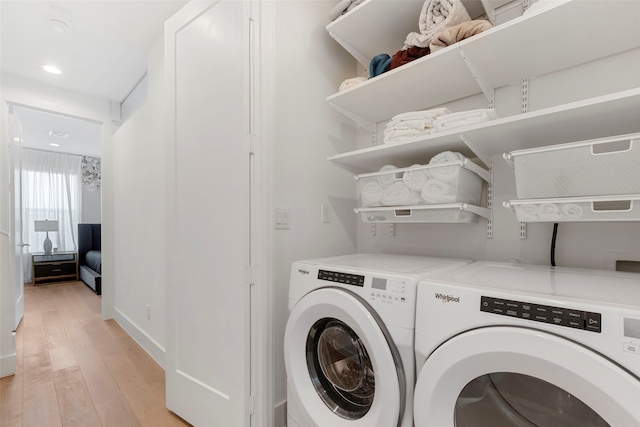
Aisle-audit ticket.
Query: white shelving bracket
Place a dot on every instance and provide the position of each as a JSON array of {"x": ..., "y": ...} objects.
[
  {"x": 483, "y": 212},
  {"x": 353, "y": 51},
  {"x": 367, "y": 124},
  {"x": 525, "y": 96},
  {"x": 485, "y": 158},
  {"x": 523, "y": 230},
  {"x": 486, "y": 88},
  {"x": 507, "y": 158},
  {"x": 490, "y": 203},
  {"x": 392, "y": 229}
]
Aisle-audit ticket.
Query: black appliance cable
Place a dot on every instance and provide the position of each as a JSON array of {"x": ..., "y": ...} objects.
[{"x": 553, "y": 244}]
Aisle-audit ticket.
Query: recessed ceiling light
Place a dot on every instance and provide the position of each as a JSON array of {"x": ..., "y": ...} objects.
[
  {"x": 59, "y": 25},
  {"x": 53, "y": 144},
  {"x": 52, "y": 69},
  {"x": 58, "y": 134}
]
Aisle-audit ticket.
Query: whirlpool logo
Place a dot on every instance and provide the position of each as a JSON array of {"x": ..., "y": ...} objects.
[
  {"x": 303, "y": 272},
  {"x": 447, "y": 298}
]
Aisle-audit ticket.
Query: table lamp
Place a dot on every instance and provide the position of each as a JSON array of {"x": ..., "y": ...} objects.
[{"x": 47, "y": 226}]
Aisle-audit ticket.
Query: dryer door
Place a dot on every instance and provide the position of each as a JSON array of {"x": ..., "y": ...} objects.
[
  {"x": 342, "y": 365},
  {"x": 509, "y": 376}
]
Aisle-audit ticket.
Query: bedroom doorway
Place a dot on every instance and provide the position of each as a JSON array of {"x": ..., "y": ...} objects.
[{"x": 59, "y": 172}]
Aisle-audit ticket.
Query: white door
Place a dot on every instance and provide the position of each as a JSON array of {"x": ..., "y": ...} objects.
[
  {"x": 208, "y": 214},
  {"x": 17, "y": 262},
  {"x": 508, "y": 376}
]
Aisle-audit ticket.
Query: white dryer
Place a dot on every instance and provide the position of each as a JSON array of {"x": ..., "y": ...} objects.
[
  {"x": 509, "y": 345},
  {"x": 348, "y": 343}
]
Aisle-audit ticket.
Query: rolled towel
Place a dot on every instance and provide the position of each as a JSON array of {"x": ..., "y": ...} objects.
[
  {"x": 386, "y": 179},
  {"x": 549, "y": 212},
  {"x": 379, "y": 64},
  {"x": 435, "y": 16},
  {"x": 398, "y": 194},
  {"x": 436, "y": 191},
  {"x": 415, "y": 179},
  {"x": 464, "y": 118},
  {"x": 371, "y": 193},
  {"x": 457, "y": 33},
  {"x": 353, "y": 82},
  {"x": 445, "y": 172},
  {"x": 527, "y": 212},
  {"x": 571, "y": 211}
]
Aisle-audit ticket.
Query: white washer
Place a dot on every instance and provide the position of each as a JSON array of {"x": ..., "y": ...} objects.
[
  {"x": 509, "y": 345},
  {"x": 348, "y": 343}
]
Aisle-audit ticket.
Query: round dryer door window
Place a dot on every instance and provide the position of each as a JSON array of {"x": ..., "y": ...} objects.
[
  {"x": 507, "y": 399},
  {"x": 343, "y": 369},
  {"x": 518, "y": 377}
]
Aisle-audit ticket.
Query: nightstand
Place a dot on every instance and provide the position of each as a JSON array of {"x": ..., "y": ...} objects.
[{"x": 55, "y": 266}]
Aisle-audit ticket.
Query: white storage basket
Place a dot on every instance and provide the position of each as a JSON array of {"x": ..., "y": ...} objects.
[
  {"x": 600, "y": 167},
  {"x": 455, "y": 182},
  {"x": 596, "y": 209}
]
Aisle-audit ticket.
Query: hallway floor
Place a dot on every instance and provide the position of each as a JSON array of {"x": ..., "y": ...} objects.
[{"x": 75, "y": 369}]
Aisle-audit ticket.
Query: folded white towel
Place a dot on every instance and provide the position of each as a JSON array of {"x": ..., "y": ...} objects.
[
  {"x": 415, "y": 179},
  {"x": 349, "y": 83},
  {"x": 398, "y": 194},
  {"x": 386, "y": 179},
  {"x": 371, "y": 193},
  {"x": 464, "y": 118},
  {"x": 435, "y": 16},
  {"x": 412, "y": 124},
  {"x": 436, "y": 191},
  {"x": 342, "y": 7}
]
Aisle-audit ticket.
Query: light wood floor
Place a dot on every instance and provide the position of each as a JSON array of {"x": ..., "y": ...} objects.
[{"x": 75, "y": 369}]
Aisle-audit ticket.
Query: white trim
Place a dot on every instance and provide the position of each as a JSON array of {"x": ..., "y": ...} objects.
[
  {"x": 8, "y": 365},
  {"x": 154, "y": 349}
]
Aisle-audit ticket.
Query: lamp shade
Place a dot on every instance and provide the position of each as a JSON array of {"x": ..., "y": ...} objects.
[{"x": 45, "y": 225}]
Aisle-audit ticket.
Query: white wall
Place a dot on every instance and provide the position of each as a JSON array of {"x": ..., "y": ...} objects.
[
  {"x": 139, "y": 224},
  {"x": 19, "y": 91},
  {"x": 309, "y": 66},
  {"x": 91, "y": 206}
]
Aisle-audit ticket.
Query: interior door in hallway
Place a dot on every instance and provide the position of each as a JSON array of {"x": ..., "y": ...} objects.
[
  {"x": 208, "y": 214},
  {"x": 17, "y": 261}
]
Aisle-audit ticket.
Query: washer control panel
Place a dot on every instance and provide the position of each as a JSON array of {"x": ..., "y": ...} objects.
[
  {"x": 561, "y": 316},
  {"x": 344, "y": 278}
]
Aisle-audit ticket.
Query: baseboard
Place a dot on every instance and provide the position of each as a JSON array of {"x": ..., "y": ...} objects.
[
  {"x": 8, "y": 365},
  {"x": 154, "y": 349},
  {"x": 280, "y": 414}
]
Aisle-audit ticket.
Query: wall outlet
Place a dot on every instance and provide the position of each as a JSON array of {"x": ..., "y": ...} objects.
[
  {"x": 326, "y": 213},
  {"x": 148, "y": 312}
]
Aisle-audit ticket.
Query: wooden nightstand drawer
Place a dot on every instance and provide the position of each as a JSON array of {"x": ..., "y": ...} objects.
[{"x": 55, "y": 269}]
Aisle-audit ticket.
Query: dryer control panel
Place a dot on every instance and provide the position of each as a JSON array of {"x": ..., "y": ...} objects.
[{"x": 560, "y": 316}]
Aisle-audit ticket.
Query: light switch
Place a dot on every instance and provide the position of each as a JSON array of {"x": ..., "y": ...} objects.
[{"x": 283, "y": 218}]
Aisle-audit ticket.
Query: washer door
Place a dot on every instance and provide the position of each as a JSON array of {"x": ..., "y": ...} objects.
[
  {"x": 342, "y": 363},
  {"x": 509, "y": 376}
]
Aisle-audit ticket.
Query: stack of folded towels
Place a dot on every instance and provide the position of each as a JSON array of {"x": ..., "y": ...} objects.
[
  {"x": 417, "y": 184},
  {"x": 413, "y": 124}
]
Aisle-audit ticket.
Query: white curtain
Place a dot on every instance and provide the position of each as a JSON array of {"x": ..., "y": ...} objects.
[{"x": 51, "y": 189}]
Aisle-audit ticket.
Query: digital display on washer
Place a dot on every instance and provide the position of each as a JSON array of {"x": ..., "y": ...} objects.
[
  {"x": 345, "y": 278},
  {"x": 543, "y": 313},
  {"x": 378, "y": 283}
]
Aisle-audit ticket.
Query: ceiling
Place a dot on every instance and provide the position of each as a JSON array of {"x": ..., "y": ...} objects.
[{"x": 103, "y": 53}]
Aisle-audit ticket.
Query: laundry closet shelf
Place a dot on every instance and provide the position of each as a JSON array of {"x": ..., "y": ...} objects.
[
  {"x": 564, "y": 35},
  {"x": 578, "y": 209},
  {"x": 445, "y": 213},
  {"x": 592, "y": 118}
]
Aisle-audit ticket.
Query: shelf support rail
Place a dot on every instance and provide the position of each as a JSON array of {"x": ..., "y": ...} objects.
[
  {"x": 369, "y": 125},
  {"x": 486, "y": 88},
  {"x": 490, "y": 203}
]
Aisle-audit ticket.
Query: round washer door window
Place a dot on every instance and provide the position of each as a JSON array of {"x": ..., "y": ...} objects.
[
  {"x": 341, "y": 363},
  {"x": 340, "y": 368}
]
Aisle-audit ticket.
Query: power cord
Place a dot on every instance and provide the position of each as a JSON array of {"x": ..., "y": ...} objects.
[{"x": 553, "y": 244}]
